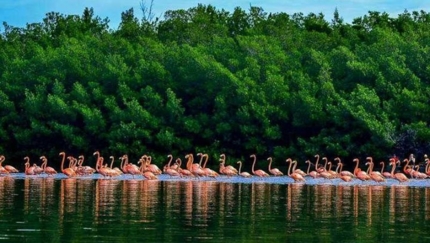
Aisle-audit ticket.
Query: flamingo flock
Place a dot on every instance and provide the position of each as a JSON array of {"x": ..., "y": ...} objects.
[{"x": 198, "y": 170}]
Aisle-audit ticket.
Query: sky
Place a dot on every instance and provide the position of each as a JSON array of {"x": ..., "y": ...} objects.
[{"x": 18, "y": 13}]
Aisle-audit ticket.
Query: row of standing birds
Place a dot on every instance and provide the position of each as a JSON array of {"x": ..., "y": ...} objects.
[
  {"x": 150, "y": 171},
  {"x": 409, "y": 171}
]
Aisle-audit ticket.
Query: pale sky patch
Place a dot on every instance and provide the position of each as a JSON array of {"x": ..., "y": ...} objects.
[{"x": 19, "y": 12}]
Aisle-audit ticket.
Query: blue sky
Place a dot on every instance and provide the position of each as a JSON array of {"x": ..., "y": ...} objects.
[{"x": 19, "y": 12}]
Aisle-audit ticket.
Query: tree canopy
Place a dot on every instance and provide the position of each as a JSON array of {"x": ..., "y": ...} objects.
[{"x": 208, "y": 80}]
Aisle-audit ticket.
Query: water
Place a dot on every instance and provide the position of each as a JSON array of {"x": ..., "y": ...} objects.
[{"x": 42, "y": 209}]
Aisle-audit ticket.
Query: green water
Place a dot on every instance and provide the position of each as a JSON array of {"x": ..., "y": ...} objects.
[{"x": 111, "y": 210}]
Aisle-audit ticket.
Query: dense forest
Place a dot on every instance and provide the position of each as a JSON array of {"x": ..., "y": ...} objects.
[{"x": 208, "y": 80}]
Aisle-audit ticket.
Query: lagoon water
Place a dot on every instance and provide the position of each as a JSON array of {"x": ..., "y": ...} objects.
[{"x": 95, "y": 209}]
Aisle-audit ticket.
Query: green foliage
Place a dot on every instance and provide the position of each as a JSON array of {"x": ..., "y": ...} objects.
[{"x": 206, "y": 80}]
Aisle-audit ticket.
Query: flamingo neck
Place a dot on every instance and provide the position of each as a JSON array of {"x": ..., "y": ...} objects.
[
  {"x": 392, "y": 169},
  {"x": 111, "y": 163},
  {"x": 62, "y": 160},
  {"x": 356, "y": 166},
  {"x": 289, "y": 167},
  {"x": 316, "y": 162},
  {"x": 253, "y": 163},
  {"x": 170, "y": 161},
  {"x": 406, "y": 166},
  {"x": 309, "y": 167},
  {"x": 206, "y": 160}
]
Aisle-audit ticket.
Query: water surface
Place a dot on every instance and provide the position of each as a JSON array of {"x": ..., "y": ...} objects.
[{"x": 95, "y": 209}]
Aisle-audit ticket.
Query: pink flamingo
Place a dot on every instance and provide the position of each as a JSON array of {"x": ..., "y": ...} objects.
[
  {"x": 2, "y": 169},
  {"x": 322, "y": 171},
  {"x": 152, "y": 167},
  {"x": 145, "y": 172},
  {"x": 208, "y": 172},
  {"x": 129, "y": 168},
  {"x": 274, "y": 171},
  {"x": 195, "y": 168},
  {"x": 116, "y": 171},
  {"x": 168, "y": 169},
  {"x": 8, "y": 168},
  {"x": 296, "y": 176},
  {"x": 183, "y": 172},
  {"x": 374, "y": 175},
  {"x": 29, "y": 170},
  {"x": 386, "y": 174},
  {"x": 47, "y": 169},
  {"x": 68, "y": 171},
  {"x": 314, "y": 174},
  {"x": 359, "y": 173},
  {"x": 343, "y": 172},
  {"x": 222, "y": 157},
  {"x": 226, "y": 171},
  {"x": 398, "y": 176},
  {"x": 84, "y": 169},
  {"x": 260, "y": 173},
  {"x": 244, "y": 173}
]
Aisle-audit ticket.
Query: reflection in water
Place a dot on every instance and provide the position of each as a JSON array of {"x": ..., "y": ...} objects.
[
  {"x": 7, "y": 195},
  {"x": 176, "y": 211},
  {"x": 105, "y": 200}
]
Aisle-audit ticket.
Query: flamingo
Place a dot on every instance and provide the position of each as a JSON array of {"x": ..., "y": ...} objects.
[
  {"x": 152, "y": 167},
  {"x": 145, "y": 172},
  {"x": 2, "y": 169},
  {"x": 347, "y": 177},
  {"x": 168, "y": 166},
  {"x": 385, "y": 174},
  {"x": 309, "y": 166},
  {"x": 103, "y": 169},
  {"x": 326, "y": 175},
  {"x": 208, "y": 172},
  {"x": 116, "y": 171},
  {"x": 427, "y": 161},
  {"x": 344, "y": 177},
  {"x": 324, "y": 167},
  {"x": 296, "y": 176},
  {"x": 398, "y": 176},
  {"x": 29, "y": 170},
  {"x": 274, "y": 171},
  {"x": 374, "y": 175},
  {"x": 195, "y": 168},
  {"x": 191, "y": 166},
  {"x": 201, "y": 159},
  {"x": 8, "y": 168},
  {"x": 68, "y": 171},
  {"x": 183, "y": 172},
  {"x": 47, "y": 169},
  {"x": 222, "y": 157},
  {"x": 226, "y": 171},
  {"x": 419, "y": 175},
  {"x": 260, "y": 173},
  {"x": 37, "y": 169},
  {"x": 84, "y": 169},
  {"x": 301, "y": 172},
  {"x": 333, "y": 173},
  {"x": 343, "y": 172},
  {"x": 168, "y": 170},
  {"x": 406, "y": 169},
  {"x": 314, "y": 173},
  {"x": 129, "y": 168},
  {"x": 359, "y": 173},
  {"x": 244, "y": 173}
]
